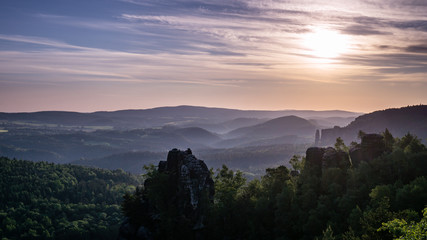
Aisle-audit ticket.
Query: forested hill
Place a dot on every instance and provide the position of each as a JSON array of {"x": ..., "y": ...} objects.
[
  {"x": 288, "y": 125},
  {"x": 377, "y": 190},
  {"x": 399, "y": 121},
  {"x": 40, "y": 200}
]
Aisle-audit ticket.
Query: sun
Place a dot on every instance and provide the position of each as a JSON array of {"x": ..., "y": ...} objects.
[{"x": 325, "y": 43}]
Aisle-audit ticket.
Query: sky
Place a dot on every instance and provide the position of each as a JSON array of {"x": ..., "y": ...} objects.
[{"x": 91, "y": 55}]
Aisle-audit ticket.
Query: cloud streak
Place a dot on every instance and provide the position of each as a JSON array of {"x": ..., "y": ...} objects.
[{"x": 215, "y": 46}]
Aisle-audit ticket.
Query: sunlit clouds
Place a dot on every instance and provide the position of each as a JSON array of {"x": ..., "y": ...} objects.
[{"x": 237, "y": 54}]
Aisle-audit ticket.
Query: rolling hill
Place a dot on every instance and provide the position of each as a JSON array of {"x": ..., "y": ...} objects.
[
  {"x": 198, "y": 135},
  {"x": 282, "y": 130},
  {"x": 398, "y": 121},
  {"x": 288, "y": 125},
  {"x": 187, "y": 116}
]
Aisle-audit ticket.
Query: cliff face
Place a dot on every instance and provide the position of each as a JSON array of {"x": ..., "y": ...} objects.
[
  {"x": 182, "y": 198},
  {"x": 372, "y": 146},
  {"x": 191, "y": 181},
  {"x": 318, "y": 159},
  {"x": 398, "y": 121}
]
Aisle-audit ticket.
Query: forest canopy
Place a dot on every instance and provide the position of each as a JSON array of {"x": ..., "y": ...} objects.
[
  {"x": 40, "y": 200},
  {"x": 337, "y": 197},
  {"x": 327, "y": 194}
]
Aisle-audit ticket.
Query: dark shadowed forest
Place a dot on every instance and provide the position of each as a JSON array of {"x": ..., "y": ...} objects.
[
  {"x": 375, "y": 190},
  {"x": 374, "y": 187}
]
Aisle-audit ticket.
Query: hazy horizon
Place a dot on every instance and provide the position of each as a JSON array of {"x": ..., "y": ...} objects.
[
  {"x": 173, "y": 106},
  {"x": 109, "y": 55}
]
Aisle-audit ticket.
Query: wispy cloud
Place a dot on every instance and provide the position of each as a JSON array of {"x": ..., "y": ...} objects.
[
  {"x": 91, "y": 64},
  {"x": 255, "y": 44},
  {"x": 363, "y": 30},
  {"x": 417, "y": 48},
  {"x": 39, "y": 41}
]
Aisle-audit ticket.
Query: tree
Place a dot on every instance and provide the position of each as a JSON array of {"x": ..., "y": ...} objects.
[
  {"x": 360, "y": 134},
  {"x": 340, "y": 146},
  {"x": 227, "y": 184},
  {"x": 227, "y": 210},
  {"x": 372, "y": 219},
  {"x": 410, "y": 144},
  {"x": 328, "y": 234},
  {"x": 297, "y": 162},
  {"x": 388, "y": 140},
  {"x": 403, "y": 230}
]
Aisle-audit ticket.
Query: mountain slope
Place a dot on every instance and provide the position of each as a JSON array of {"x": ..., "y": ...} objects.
[
  {"x": 398, "y": 121},
  {"x": 288, "y": 125},
  {"x": 197, "y": 135}
]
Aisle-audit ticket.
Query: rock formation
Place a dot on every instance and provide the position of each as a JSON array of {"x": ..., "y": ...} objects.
[
  {"x": 372, "y": 146},
  {"x": 189, "y": 188},
  {"x": 313, "y": 160},
  {"x": 334, "y": 158},
  {"x": 318, "y": 159},
  {"x": 317, "y": 138},
  {"x": 193, "y": 184}
]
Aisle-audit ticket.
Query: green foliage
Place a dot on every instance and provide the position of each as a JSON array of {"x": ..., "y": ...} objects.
[
  {"x": 157, "y": 191},
  {"x": 389, "y": 140},
  {"x": 353, "y": 201},
  {"x": 226, "y": 209},
  {"x": 323, "y": 202},
  {"x": 40, "y": 200},
  {"x": 404, "y": 230},
  {"x": 340, "y": 146},
  {"x": 410, "y": 144},
  {"x": 297, "y": 162},
  {"x": 227, "y": 184},
  {"x": 372, "y": 218},
  {"x": 328, "y": 234}
]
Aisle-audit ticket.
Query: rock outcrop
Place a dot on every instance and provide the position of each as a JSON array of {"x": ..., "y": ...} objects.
[
  {"x": 313, "y": 160},
  {"x": 336, "y": 159},
  {"x": 189, "y": 188},
  {"x": 318, "y": 159},
  {"x": 371, "y": 146},
  {"x": 193, "y": 184}
]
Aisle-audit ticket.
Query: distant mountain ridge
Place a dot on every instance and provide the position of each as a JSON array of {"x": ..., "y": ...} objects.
[
  {"x": 156, "y": 117},
  {"x": 287, "y": 125},
  {"x": 282, "y": 130},
  {"x": 398, "y": 121},
  {"x": 125, "y": 141}
]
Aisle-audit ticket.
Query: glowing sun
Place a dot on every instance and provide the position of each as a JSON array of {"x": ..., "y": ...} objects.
[{"x": 325, "y": 43}]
